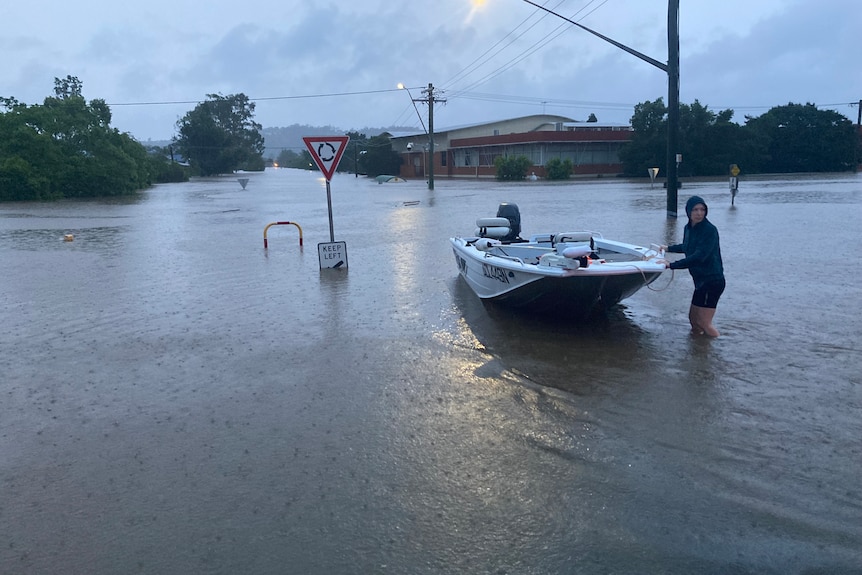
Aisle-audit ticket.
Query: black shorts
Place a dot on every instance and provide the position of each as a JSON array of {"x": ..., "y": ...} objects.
[{"x": 708, "y": 294}]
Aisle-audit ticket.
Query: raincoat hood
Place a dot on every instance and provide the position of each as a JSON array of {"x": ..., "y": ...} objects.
[{"x": 692, "y": 202}]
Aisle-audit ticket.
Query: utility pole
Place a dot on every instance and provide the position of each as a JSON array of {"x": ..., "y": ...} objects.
[
  {"x": 858, "y": 135},
  {"x": 430, "y": 93},
  {"x": 672, "y": 71},
  {"x": 672, "y": 105},
  {"x": 430, "y": 99}
]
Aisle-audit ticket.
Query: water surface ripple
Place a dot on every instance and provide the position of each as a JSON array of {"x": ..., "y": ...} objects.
[{"x": 176, "y": 399}]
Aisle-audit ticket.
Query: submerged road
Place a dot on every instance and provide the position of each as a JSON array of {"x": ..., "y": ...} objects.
[{"x": 178, "y": 399}]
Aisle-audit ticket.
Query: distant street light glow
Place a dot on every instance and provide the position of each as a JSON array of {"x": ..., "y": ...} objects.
[{"x": 477, "y": 6}]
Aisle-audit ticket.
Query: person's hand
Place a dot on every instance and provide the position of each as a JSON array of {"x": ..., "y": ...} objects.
[{"x": 665, "y": 263}]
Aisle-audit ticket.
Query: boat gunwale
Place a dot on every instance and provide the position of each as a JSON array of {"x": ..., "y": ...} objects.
[{"x": 599, "y": 268}]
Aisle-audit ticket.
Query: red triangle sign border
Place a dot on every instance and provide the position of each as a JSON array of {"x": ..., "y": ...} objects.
[{"x": 326, "y": 151}]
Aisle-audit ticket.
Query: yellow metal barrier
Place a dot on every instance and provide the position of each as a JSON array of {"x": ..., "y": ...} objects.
[{"x": 281, "y": 224}]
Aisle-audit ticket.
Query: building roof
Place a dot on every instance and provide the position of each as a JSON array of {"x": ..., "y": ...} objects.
[{"x": 523, "y": 124}]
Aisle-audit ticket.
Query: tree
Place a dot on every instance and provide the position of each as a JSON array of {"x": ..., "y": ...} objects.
[
  {"x": 792, "y": 138},
  {"x": 220, "y": 135},
  {"x": 558, "y": 169},
  {"x": 512, "y": 168},
  {"x": 379, "y": 157},
  {"x": 648, "y": 145},
  {"x": 67, "y": 148},
  {"x": 68, "y": 87},
  {"x": 290, "y": 159},
  {"x": 801, "y": 138},
  {"x": 162, "y": 166},
  {"x": 709, "y": 142},
  {"x": 354, "y": 159}
]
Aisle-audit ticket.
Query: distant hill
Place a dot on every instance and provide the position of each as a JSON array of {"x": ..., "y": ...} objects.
[{"x": 290, "y": 137}]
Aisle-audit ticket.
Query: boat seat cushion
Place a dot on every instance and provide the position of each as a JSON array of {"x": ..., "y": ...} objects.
[
  {"x": 492, "y": 223},
  {"x": 493, "y": 232}
]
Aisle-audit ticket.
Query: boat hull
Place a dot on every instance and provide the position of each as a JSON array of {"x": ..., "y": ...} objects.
[{"x": 575, "y": 293}]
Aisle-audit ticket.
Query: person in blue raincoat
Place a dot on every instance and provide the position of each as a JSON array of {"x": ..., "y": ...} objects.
[{"x": 700, "y": 244}]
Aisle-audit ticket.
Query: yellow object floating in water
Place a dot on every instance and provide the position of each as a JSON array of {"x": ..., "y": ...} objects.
[{"x": 68, "y": 238}]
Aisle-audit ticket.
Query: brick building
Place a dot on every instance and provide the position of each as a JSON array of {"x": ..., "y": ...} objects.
[{"x": 469, "y": 151}]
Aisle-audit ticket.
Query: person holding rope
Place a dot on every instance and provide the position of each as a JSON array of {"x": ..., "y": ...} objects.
[{"x": 702, "y": 259}]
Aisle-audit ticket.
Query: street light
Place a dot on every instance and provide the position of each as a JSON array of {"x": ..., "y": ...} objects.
[
  {"x": 672, "y": 70},
  {"x": 356, "y": 159},
  {"x": 403, "y": 87}
]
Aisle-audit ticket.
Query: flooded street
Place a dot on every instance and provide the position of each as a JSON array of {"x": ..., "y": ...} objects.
[{"x": 174, "y": 398}]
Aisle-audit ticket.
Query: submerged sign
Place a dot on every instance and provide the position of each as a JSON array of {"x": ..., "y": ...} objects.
[
  {"x": 327, "y": 152},
  {"x": 332, "y": 255}
]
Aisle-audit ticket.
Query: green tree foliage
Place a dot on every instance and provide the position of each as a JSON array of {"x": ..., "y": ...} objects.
[
  {"x": 557, "y": 169},
  {"x": 512, "y": 168},
  {"x": 801, "y": 138},
  {"x": 792, "y": 138},
  {"x": 290, "y": 159},
  {"x": 648, "y": 146},
  {"x": 379, "y": 157},
  {"x": 354, "y": 159},
  {"x": 68, "y": 87},
  {"x": 220, "y": 136},
  {"x": 67, "y": 148},
  {"x": 163, "y": 168},
  {"x": 709, "y": 140}
]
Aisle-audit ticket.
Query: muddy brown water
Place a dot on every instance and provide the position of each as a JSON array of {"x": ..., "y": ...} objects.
[{"x": 176, "y": 399}]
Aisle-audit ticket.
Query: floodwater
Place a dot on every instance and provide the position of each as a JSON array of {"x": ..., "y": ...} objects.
[{"x": 176, "y": 399}]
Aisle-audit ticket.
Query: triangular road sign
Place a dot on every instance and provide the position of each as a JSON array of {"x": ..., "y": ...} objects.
[{"x": 326, "y": 151}]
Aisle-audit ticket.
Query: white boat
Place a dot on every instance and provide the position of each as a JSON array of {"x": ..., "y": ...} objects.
[{"x": 572, "y": 274}]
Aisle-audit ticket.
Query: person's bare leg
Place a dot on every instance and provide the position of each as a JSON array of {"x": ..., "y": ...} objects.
[
  {"x": 703, "y": 317},
  {"x": 693, "y": 319}
]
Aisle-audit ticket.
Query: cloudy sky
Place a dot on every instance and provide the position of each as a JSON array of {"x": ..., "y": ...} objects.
[{"x": 338, "y": 62}]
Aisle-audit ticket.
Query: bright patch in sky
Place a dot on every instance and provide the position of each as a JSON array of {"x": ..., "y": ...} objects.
[{"x": 476, "y": 7}]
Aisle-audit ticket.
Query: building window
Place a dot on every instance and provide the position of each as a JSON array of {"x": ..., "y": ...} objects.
[{"x": 442, "y": 158}]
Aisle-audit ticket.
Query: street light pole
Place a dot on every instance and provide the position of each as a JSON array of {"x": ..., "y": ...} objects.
[
  {"x": 430, "y": 99},
  {"x": 430, "y": 163},
  {"x": 672, "y": 106},
  {"x": 672, "y": 70}
]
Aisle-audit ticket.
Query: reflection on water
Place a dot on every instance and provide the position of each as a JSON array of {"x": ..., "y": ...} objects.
[{"x": 176, "y": 398}]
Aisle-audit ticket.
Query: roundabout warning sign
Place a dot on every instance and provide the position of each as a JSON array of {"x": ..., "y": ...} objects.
[{"x": 326, "y": 151}]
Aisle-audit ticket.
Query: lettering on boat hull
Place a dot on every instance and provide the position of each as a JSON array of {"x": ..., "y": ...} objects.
[{"x": 496, "y": 273}]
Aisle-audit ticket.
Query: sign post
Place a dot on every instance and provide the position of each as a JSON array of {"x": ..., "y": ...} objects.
[
  {"x": 653, "y": 172},
  {"x": 326, "y": 151},
  {"x": 734, "y": 182}
]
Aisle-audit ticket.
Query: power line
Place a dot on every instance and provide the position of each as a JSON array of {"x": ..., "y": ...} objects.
[
  {"x": 544, "y": 100},
  {"x": 261, "y": 99},
  {"x": 471, "y": 67},
  {"x": 536, "y": 46},
  {"x": 471, "y": 95}
]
